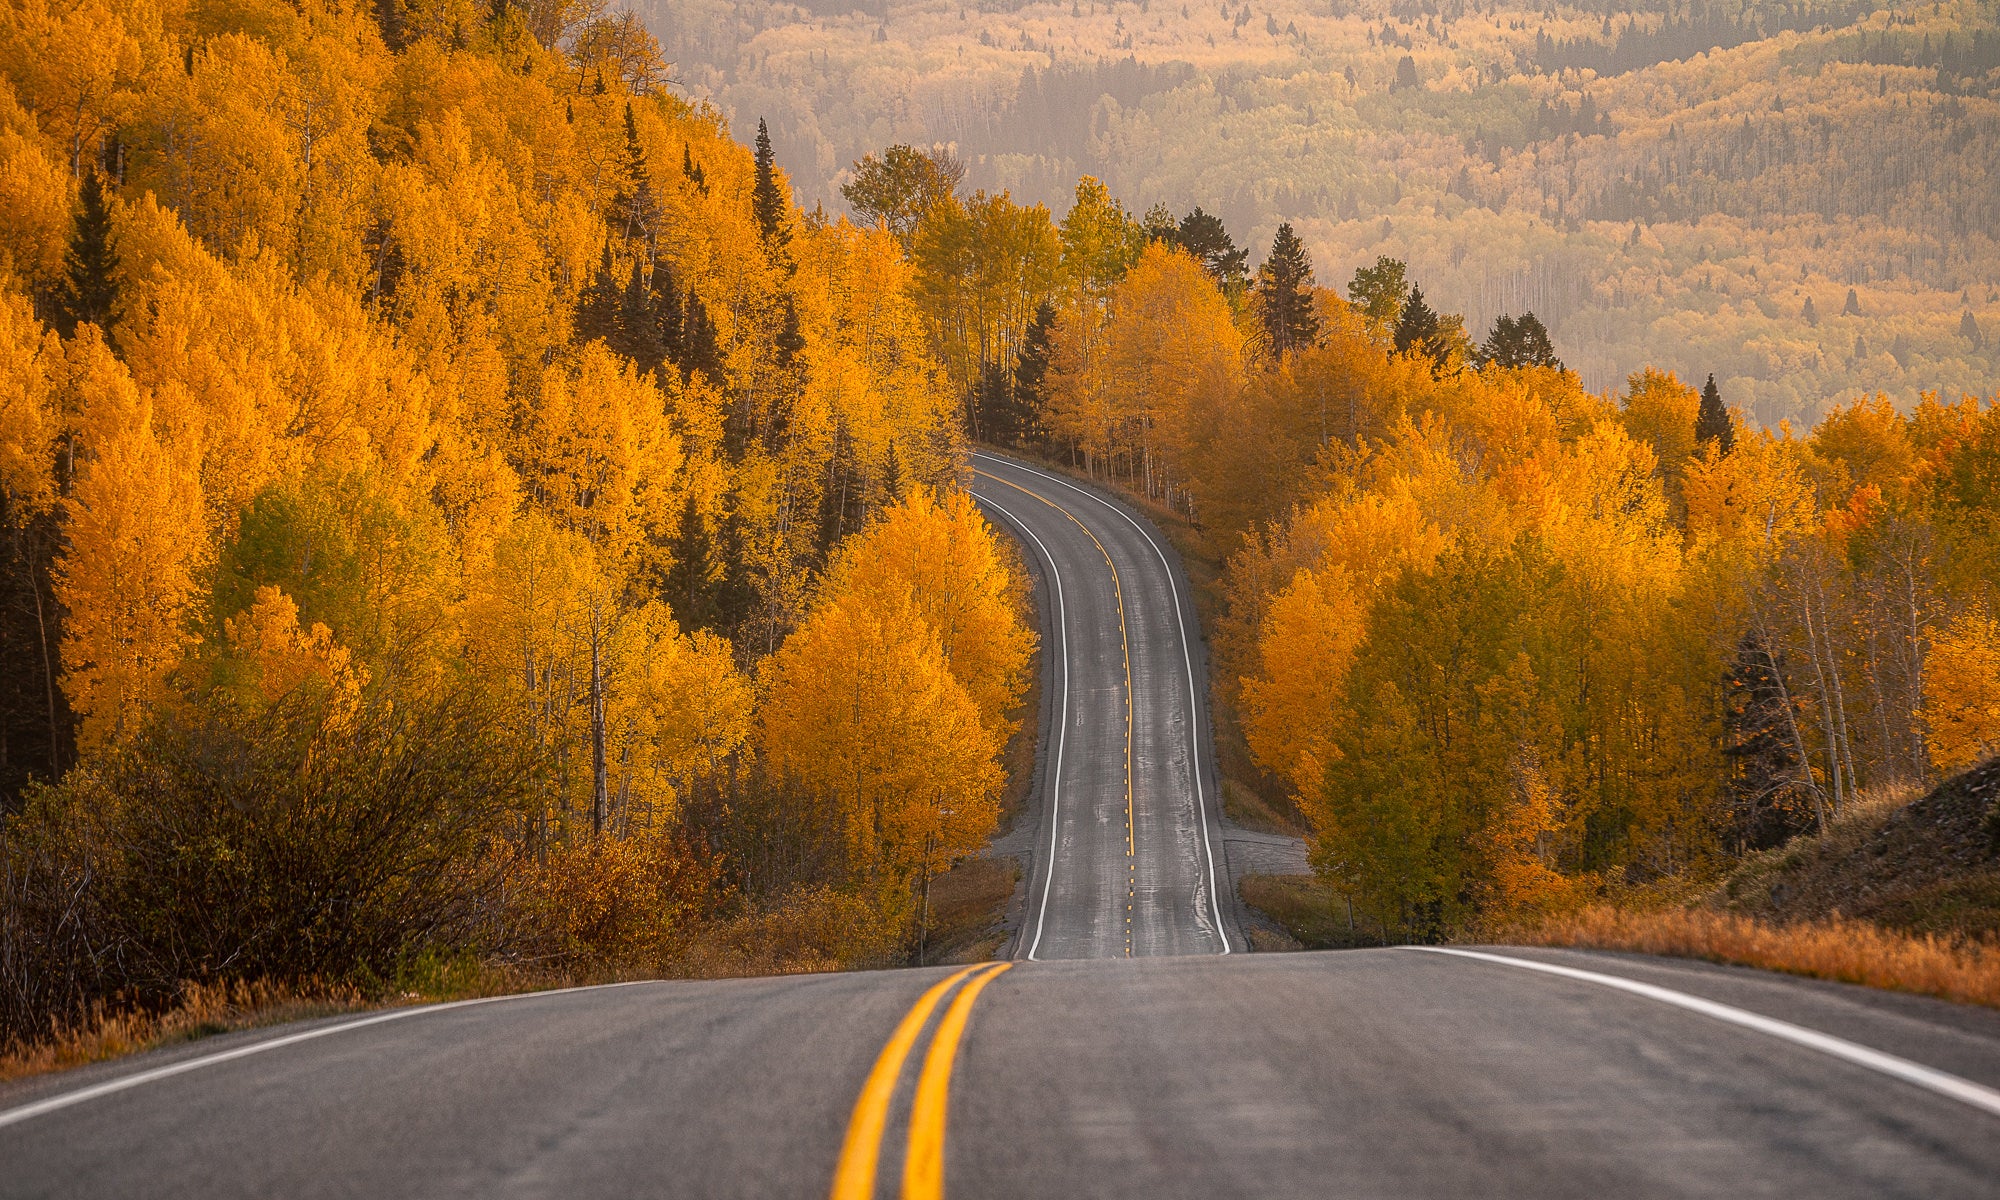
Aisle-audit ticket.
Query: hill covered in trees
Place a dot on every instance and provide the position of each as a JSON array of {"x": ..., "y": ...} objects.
[
  {"x": 1795, "y": 197},
  {"x": 454, "y": 505}
]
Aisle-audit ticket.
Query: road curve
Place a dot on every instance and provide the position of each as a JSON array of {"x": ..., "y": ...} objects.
[{"x": 1127, "y": 849}]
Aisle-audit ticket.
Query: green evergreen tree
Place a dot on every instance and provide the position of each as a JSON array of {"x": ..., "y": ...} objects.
[
  {"x": 691, "y": 171},
  {"x": 89, "y": 290},
  {"x": 1284, "y": 296},
  {"x": 597, "y": 309},
  {"x": 766, "y": 201},
  {"x": 1031, "y": 372},
  {"x": 638, "y": 329},
  {"x": 1418, "y": 327},
  {"x": 634, "y": 206},
  {"x": 1712, "y": 423},
  {"x": 1522, "y": 342},
  {"x": 692, "y": 583},
  {"x": 1204, "y": 236}
]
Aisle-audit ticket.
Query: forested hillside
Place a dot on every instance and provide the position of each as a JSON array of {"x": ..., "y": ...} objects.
[
  {"x": 1795, "y": 197},
  {"x": 456, "y": 504}
]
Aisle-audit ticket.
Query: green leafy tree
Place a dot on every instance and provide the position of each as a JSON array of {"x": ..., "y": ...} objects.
[
  {"x": 1203, "y": 235},
  {"x": 897, "y": 189},
  {"x": 1378, "y": 292}
]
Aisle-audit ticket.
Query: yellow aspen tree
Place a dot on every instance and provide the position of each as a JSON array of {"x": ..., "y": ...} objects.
[
  {"x": 129, "y": 577},
  {"x": 861, "y": 714},
  {"x": 939, "y": 551},
  {"x": 1961, "y": 708}
]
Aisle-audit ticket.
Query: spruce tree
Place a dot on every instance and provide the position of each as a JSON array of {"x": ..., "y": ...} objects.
[
  {"x": 693, "y": 172},
  {"x": 1284, "y": 296},
  {"x": 1521, "y": 342},
  {"x": 1031, "y": 370},
  {"x": 668, "y": 316},
  {"x": 638, "y": 333},
  {"x": 766, "y": 201},
  {"x": 1760, "y": 735},
  {"x": 89, "y": 287},
  {"x": 633, "y": 205},
  {"x": 1417, "y": 327},
  {"x": 598, "y": 307},
  {"x": 1204, "y": 236},
  {"x": 699, "y": 351},
  {"x": 1712, "y": 423},
  {"x": 693, "y": 580}
]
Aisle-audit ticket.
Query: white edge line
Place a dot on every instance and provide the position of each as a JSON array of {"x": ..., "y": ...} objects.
[
  {"x": 51, "y": 1104},
  {"x": 1187, "y": 660},
  {"x": 1944, "y": 1084},
  {"x": 1062, "y": 723}
]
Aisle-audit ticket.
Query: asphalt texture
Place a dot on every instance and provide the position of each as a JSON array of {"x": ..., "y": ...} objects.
[
  {"x": 1176, "y": 1072},
  {"x": 1129, "y": 853}
]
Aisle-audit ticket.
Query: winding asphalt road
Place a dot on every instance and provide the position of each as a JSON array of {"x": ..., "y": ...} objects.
[{"x": 1173, "y": 1071}]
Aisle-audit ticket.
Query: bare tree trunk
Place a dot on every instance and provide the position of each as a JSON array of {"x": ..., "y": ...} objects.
[{"x": 600, "y": 796}]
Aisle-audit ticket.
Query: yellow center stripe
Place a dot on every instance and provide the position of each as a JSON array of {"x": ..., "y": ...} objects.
[
  {"x": 923, "y": 1164},
  {"x": 854, "y": 1178},
  {"x": 1125, "y": 647}
]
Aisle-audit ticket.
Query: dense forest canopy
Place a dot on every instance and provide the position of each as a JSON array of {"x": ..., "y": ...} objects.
[{"x": 1692, "y": 186}]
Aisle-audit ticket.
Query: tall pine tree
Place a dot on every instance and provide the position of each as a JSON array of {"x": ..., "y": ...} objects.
[
  {"x": 1712, "y": 424},
  {"x": 597, "y": 309},
  {"x": 634, "y": 205},
  {"x": 89, "y": 287},
  {"x": 1418, "y": 328},
  {"x": 766, "y": 201},
  {"x": 1284, "y": 296}
]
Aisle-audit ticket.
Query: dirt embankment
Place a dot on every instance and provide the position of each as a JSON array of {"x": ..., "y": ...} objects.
[{"x": 1929, "y": 867}]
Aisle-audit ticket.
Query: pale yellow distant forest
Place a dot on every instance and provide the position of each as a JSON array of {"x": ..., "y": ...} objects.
[{"x": 1686, "y": 185}]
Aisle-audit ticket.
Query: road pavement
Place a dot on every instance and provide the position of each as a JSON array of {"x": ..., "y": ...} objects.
[{"x": 1078, "y": 1070}]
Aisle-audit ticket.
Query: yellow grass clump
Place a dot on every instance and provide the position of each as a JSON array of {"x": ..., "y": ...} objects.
[{"x": 1836, "y": 948}]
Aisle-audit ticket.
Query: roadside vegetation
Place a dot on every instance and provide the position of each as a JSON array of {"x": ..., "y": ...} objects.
[{"x": 462, "y": 528}]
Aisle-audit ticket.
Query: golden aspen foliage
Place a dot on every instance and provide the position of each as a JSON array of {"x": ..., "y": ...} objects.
[
  {"x": 939, "y": 552},
  {"x": 30, "y": 420},
  {"x": 1292, "y": 705},
  {"x": 36, "y": 196},
  {"x": 269, "y": 657},
  {"x": 129, "y": 578},
  {"x": 1961, "y": 708},
  {"x": 862, "y": 715},
  {"x": 1661, "y": 411}
]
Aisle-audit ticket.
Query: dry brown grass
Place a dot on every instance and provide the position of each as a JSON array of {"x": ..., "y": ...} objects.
[
  {"x": 202, "y": 1011},
  {"x": 1834, "y": 948}
]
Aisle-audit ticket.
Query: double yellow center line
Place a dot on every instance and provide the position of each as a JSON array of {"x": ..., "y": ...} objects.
[
  {"x": 923, "y": 1159},
  {"x": 1125, "y": 648}
]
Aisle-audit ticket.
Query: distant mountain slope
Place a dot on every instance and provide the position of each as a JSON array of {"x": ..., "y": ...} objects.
[{"x": 1696, "y": 187}]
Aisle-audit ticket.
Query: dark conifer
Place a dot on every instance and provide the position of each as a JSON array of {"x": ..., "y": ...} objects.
[
  {"x": 668, "y": 317},
  {"x": 1204, "y": 236},
  {"x": 598, "y": 307},
  {"x": 1031, "y": 370},
  {"x": 1417, "y": 327},
  {"x": 692, "y": 172},
  {"x": 634, "y": 206},
  {"x": 638, "y": 331},
  {"x": 699, "y": 351},
  {"x": 693, "y": 581},
  {"x": 1284, "y": 296},
  {"x": 1522, "y": 342},
  {"x": 89, "y": 287},
  {"x": 1712, "y": 424},
  {"x": 766, "y": 201}
]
